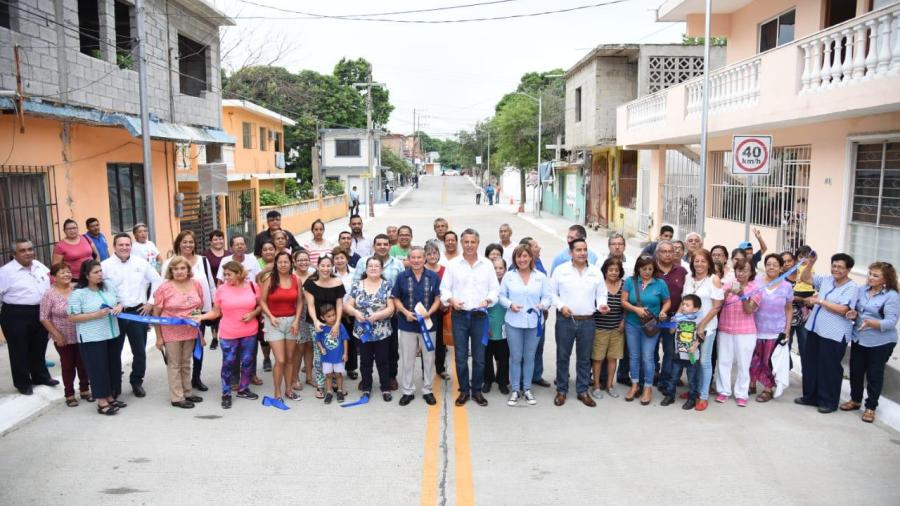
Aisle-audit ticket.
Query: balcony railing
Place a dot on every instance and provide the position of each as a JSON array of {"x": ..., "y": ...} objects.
[
  {"x": 729, "y": 88},
  {"x": 647, "y": 110},
  {"x": 852, "y": 52}
]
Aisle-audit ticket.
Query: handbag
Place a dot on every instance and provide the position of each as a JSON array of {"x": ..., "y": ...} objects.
[{"x": 648, "y": 325}]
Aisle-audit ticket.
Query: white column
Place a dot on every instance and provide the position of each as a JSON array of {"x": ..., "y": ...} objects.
[
  {"x": 815, "y": 79},
  {"x": 859, "y": 59},
  {"x": 872, "y": 56},
  {"x": 884, "y": 44},
  {"x": 838, "y": 62},
  {"x": 754, "y": 78},
  {"x": 847, "y": 67},
  {"x": 804, "y": 79},
  {"x": 826, "y": 60},
  {"x": 895, "y": 37}
]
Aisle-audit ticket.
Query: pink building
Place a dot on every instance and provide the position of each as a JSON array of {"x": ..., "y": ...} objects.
[{"x": 823, "y": 78}]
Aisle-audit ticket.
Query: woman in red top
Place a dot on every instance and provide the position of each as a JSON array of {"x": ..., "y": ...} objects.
[
  {"x": 73, "y": 249},
  {"x": 281, "y": 302}
]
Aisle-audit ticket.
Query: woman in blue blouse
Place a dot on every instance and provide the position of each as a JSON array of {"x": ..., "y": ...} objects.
[
  {"x": 525, "y": 293},
  {"x": 828, "y": 332},
  {"x": 874, "y": 337},
  {"x": 644, "y": 296},
  {"x": 93, "y": 307}
]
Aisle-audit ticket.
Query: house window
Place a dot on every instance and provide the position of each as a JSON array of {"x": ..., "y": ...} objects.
[
  {"x": 777, "y": 31},
  {"x": 89, "y": 28},
  {"x": 578, "y": 104},
  {"x": 346, "y": 147},
  {"x": 247, "y": 129},
  {"x": 278, "y": 146},
  {"x": 123, "y": 35},
  {"x": 875, "y": 206},
  {"x": 125, "y": 182},
  {"x": 6, "y": 13},
  {"x": 191, "y": 66},
  {"x": 628, "y": 180},
  {"x": 262, "y": 138},
  {"x": 28, "y": 208}
]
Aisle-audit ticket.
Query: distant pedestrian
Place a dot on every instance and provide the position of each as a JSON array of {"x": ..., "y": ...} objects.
[
  {"x": 354, "y": 201},
  {"x": 478, "y": 193},
  {"x": 489, "y": 192}
]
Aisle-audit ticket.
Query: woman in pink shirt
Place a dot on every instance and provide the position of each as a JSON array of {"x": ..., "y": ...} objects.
[
  {"x": 74, "y": 249},
  {"x": 236, "y": 303},
  {"x": 55, "y": 318},
  {"x": 737, "y": 333}
]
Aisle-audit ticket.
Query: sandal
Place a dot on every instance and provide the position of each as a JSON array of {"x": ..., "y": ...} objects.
[
  {"x": 850, "y": 406},
  {"x": 297, "y": 386},
  {"x": 293, "y": 396},
  {"x": 320, "y": 394},
  {"x": 868, "y": 416},
  {"x": 87, "y": 396},
  {"x": 256, "y": 380},
  {"x": 119, "y": 404},
  {"x": 108, "y": 410},
  {"x": 764, "y": 396},
  {"x": 632, "y": 393},
  {"x": 71, "y": 402}
]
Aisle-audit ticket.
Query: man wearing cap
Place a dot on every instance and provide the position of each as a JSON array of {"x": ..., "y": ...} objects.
[
  {"x": 748, "y": 247},
  {"x": 273, "y": 220}
]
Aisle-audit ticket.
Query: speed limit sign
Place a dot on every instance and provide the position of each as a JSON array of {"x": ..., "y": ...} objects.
[{"x": 751, "y": 154}]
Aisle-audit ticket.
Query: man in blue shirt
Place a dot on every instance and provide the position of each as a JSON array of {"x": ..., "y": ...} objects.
[
  {"x": 345, "y": 240},
  {"x": 575, "y": 232},
  {"x": 95, "y": 236},
  {"x": 416, "y": 285}
]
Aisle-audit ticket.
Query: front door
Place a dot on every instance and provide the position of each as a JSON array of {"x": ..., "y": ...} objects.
[{"x": 597, "y": 204}]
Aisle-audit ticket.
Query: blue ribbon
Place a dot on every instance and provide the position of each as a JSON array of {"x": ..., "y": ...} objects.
[
  {"x": 426, "y": 336},
  {"x": 275, "y": 403},
  {"x": 484, "y": 333},
  {"x": 164, "y": 320},
  {"x": 540, "y": 322},
  {"x": 367, "y": 331},
  {"x": 673, "y": 322},
  {"x": 772, "y": 283},
  {"x": 362, "y": 400}
]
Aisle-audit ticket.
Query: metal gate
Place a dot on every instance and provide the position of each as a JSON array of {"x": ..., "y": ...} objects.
[
  {"x": 644, "y": 168},
  {"x": 239, "y": 205},
  {"x": 28, "y": 209},
  {"x": 680, "y": 193},
  {"x": 198, "y": 218}
]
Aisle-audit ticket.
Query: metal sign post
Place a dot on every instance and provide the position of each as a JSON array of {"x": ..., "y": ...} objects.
[{"x": 751, "y": 155}]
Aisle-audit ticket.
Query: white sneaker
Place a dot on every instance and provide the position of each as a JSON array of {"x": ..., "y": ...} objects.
[
  {"x": 597, "y": 394},
  {"x": 513, "y": 399},
  {"x": 530, "y": 398},
  {"x": 613, "y": 392}
]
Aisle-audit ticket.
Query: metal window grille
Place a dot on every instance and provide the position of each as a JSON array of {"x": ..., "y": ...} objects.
[
  {"x": 28, "y": 209},
  {"x": 680, "y": 192},
  {"x": 778, "y": 200},
  {"x": 645, "y": 171},
  {"x": 127, "y": 206},
  {"x": 874, "y": 228},
  {"x": 198, "y": 218},
  {"x": 239, "y": 205},
  {"x": 667, "y": 71},
  {"x": 628, "y": 174}
]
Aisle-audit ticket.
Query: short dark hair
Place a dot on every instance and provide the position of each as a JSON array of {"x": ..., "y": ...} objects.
[
  {"x": 526, "y": 240},
  {"x": 87, "y": 222},
  {"x": 694, "y": 299},
  {"x": 643, "y": 261},
  {"x": 381, "y": 236},
  {"x": 121, "y": 235},
  {"x": 777, "y": 257},
  {"x": 576, "y": 241},
  {"x": 407, "y": 227},
  {"x": 492, "y": 247},
  {"x": 345, "y": 232},
  {"x": 69, "y": 220},
  {"x": 86, "y": 268},
  {"x": 313, "y": 225},
  {"x": 236, "y": 237},
  {"x": 450, "y": 232},
  {"x": 273, "y": 214},
  {"x": 355, "y": 216},
  {"x": 325, "y": 309},
  {"x": 843, "y": 257},
  {"x": 609, "y": 262},
  {"x": 666, "y": 228},
  {"x": 216, "y": 233},
  {"x": 579, "y": 230}
]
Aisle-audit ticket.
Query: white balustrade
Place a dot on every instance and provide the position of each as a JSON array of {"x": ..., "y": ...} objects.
[
  {"x": 858, "y": 50},
  {"x": 730, "y": 87},
  {"x": 647, "y": 110}
]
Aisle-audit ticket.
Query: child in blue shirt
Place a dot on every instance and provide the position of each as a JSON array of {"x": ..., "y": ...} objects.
[{"x": 333, "y": 351}]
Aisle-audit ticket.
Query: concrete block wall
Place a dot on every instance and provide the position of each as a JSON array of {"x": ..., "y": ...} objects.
[
  {"x": 53, "y": 67},
  {"x": 616, "y": 85}
]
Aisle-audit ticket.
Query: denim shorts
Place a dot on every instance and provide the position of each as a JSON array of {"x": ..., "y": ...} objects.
[{"x": 280, "y": 332}]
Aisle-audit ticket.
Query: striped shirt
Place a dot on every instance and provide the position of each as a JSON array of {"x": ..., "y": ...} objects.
[
  {"x": 612, "y": 319},
  {"x": 85, "y": 300},
  {"x": 822, "y": 321}
]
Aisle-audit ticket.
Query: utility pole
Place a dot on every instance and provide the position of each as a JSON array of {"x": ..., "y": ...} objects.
[
  {"x": 540, "y": 195},
  {"x": 704, "y": 120},
  {"x": 139, "y": 14},
  {"x": 370, "y": 134}
]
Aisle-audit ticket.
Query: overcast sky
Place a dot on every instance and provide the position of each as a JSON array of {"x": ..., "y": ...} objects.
[{"x": 454, "y": 73}]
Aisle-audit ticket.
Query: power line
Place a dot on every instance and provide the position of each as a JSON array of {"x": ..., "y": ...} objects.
[{"x": 415, "y": 11}]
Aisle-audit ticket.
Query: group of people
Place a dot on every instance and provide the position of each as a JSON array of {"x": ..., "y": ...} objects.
[
  {"x": 320, "y": 311},
  {"x": 489, "y": 192}
]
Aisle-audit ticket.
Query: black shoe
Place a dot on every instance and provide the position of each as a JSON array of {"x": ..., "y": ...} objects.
[
  {"x": 462, "y": 399},
  {"x": 689, "y": 404},
  {"x": 504, "y": 389},
  {"x": 185, "y": 404},
  {"x": 352, "y": 375},
  {"x": 194, "y": 398},
  {"x": 429, "y": 399},
  {"x": 804, "y": 402},
  {"x": 328, "y": 397},
  {"x": 479, "y": 398},
  {"x": 386, "y": 396},
  {"x": 226, "y": 402},
  {"x": 486, "y": 389},
  {"x": 541, "y": 382},
  {"x": 26, "y": 390},
  {"x": 340, "y": 396},
  {"x": 247, "y": 394},
  {"x": 406, "y": 399},
  {"x": 445, "y": 376},
  {"x": 214, "y": 344},
  {"x": 199, "y": 385},
  {"x": 825, "y": 410},
  {"x": 138, "y": 391},
  {"x": 119, "y": 404},
  {"x": 267, "y": 365},
  {"x": 50, "y": 383},
  {"x": 667, "y": 400}
]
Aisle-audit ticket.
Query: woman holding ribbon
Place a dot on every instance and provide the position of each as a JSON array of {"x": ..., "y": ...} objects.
[
  {"x": 55, "y": 318},
  {"x": 704, "y": 283},
  {"x": 370, "y": 305},
  {"x": 773, "y": 324},
  {"x": 609, "y": 330},
  {"x": 186, "y": 246},
  {"x": 525, "y": 293},
  {"x": 321, "y": 288},
  {"x": 874, "y": 337},
  {"x": 737, "y": 333},
  {"x": 179, "y": 296},
  {"x": 236, "y": 304},
  {"x": 645, "y": 298},
  {"x": 281, "y": 301},
  {"x": 93, "y": 307}
]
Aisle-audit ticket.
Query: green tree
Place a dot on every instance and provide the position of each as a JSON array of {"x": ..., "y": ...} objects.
[
  {"x": 396, "y": 163},
  {"x": 359, "y": 70}
]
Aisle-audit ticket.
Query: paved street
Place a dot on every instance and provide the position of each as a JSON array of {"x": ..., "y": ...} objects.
[{"x": 380, "y": 453}]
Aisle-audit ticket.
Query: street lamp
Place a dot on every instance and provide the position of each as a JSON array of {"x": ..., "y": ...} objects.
[{"x": 540, "y": 101}]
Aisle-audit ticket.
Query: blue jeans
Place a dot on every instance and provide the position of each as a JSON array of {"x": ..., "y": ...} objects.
[
  {"x": 522, "y": 343},
  {"x": 466, "y": 332},
  {"x": 538, "y": 360},
  {"x": 706, "y": 351},
  {"x": 667, "y": 339},
  {"x": 580, "y": 334},
  {"x": 694, "y": 373},
  {"x": 640, "y": 353}
]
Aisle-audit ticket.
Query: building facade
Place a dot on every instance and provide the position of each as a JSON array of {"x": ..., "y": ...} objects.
[
  {"x": 345, "y": 158},
  {"x": 823, "y": 79}
]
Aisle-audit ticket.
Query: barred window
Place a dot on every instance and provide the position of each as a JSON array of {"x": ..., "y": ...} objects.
[
  {"x": 628, "y": 179},
  {"x": 125, "y": 182},
  {"x": 874, "y": 228}
]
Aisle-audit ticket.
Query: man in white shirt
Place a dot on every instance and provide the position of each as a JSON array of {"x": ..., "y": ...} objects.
[
  {"x": 470, "y": 286},
  {"x": 130, "y": 276},
  {"x": 360, "y": 245},
  {"x": 578, "y": 290},
  {"x": 239, "y": 254},
  {"x": 440, "y": 228},
  {"x": 23, "y": 281},
  {"x": 506, "y": 242}
]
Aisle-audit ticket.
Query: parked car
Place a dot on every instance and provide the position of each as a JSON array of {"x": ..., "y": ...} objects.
[{"x": 450, "y": 172}]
